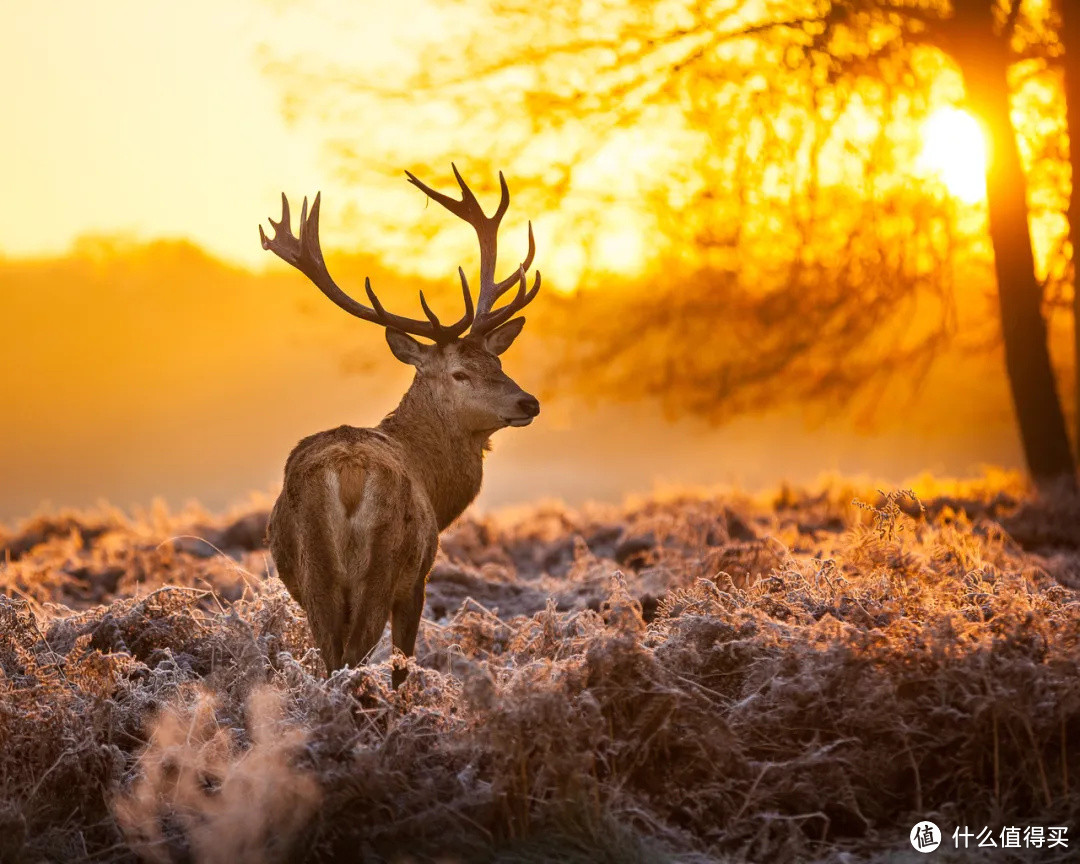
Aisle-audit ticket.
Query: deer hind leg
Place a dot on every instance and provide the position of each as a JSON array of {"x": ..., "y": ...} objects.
[
  {"x": 324, "y": 618},
  {"x": 331, "y": 558},
  {"x": 367, "y": 599},
  {"x": 323, "y": 600},
  {"x": 362, "y": 640},
  {"x": 405, "y": 621},
  {"x": 369, "y": 557},
  {"x": 283, "y": 547},
  {"x": 302, "y": 544},
  {"x": 404, "y": 625}
]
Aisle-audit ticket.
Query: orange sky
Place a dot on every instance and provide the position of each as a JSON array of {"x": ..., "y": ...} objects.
[
  {"x": 159, "y": 120},
  {"x": 156, "y": 119}
]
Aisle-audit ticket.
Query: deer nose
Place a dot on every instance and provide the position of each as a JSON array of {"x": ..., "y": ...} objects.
[{"x": 529, "y": 406}]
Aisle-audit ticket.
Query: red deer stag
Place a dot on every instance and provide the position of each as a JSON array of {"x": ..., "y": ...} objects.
[{"x": 355, "y": 529}]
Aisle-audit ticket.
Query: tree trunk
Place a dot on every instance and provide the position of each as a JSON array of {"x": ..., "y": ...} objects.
[
  {"x": 1070, "y": 37},
  {"x": 983, "y": 58}
]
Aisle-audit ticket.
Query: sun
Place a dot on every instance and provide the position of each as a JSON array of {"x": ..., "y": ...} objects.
[{"x": 955, "y": 150}]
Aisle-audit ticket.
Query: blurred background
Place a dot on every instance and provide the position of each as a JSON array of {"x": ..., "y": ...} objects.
[{"x": 779, "y": 238}]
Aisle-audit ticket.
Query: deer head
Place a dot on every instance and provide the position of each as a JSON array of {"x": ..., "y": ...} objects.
[{"x": 459, "y": 367}]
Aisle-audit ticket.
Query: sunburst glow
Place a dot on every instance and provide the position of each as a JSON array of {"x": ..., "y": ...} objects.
[
  {"x": 620, "y": 250},
  {"x": 955, "y": 150}
]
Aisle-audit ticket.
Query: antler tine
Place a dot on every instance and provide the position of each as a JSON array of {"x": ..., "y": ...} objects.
[
  {"x": 509, "y": 282},
  {"x": 487, "y": 323},
  {"x": 504, "y": 198},
  {"x": 487, "y": 229},
  {"x": 432, "y": 317},
  {"x": 304, "y": 252},
  {"x": 454, "y": 330},
  {"x": 284, "y": 245},
  {"x": 467, "y": 294},
  {"x": 468, "y": 208}
]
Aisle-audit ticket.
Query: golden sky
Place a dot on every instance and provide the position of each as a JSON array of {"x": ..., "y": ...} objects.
[
  {"x": 156, "y": 119},
  {"x": 151, "y": 369}
]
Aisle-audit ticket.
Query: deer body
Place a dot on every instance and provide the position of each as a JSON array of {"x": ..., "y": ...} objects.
[
  {"x": 353, "y": 537},
  {"x": 355, "y": 530}
]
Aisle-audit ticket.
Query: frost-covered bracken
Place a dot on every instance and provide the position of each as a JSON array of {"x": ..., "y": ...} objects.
[{"x": 698, "y": 678}]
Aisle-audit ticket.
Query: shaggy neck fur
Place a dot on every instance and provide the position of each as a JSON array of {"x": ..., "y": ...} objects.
[{"x": 448, "y": 459}]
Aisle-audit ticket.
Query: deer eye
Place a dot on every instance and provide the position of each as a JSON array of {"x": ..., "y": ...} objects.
[{"x": 460, "y": 376}]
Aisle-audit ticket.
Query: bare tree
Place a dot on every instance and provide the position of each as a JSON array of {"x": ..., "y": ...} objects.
[
  {"x": 815, "y": 261},
  {"x": 981, "y": 47},
  {"x": 1070, "y": 38}
]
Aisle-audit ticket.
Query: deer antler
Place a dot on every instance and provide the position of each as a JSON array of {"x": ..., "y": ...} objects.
[
  {"x": 305, "y": 254},
  {"x": 487, "y": 230}
]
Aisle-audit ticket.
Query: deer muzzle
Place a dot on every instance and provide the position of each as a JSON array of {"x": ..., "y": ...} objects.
[{"x": 527, "y": 408}]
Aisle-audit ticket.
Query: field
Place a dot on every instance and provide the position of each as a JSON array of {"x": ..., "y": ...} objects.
[{"x": 785, "y": 678}]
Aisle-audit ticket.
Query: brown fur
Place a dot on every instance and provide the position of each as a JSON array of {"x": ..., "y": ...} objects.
[
  {"x": 351, "y": 486},
  {"x": 355, "y": 529}
]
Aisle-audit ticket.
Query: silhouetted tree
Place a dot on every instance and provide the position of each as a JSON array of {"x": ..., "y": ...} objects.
[
  {"x": 1070, "y": 38},
  {"x": 800, "y": 260},
  {"x": 982, "y": 48}
]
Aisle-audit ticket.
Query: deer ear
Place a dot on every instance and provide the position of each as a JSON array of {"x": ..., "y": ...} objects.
[
  {"x": 405, "y": 348},
  {"x": 501, "y": 338}
]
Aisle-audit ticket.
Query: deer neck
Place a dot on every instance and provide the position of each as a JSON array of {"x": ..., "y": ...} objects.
[{"x": 448, "y": 460}]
